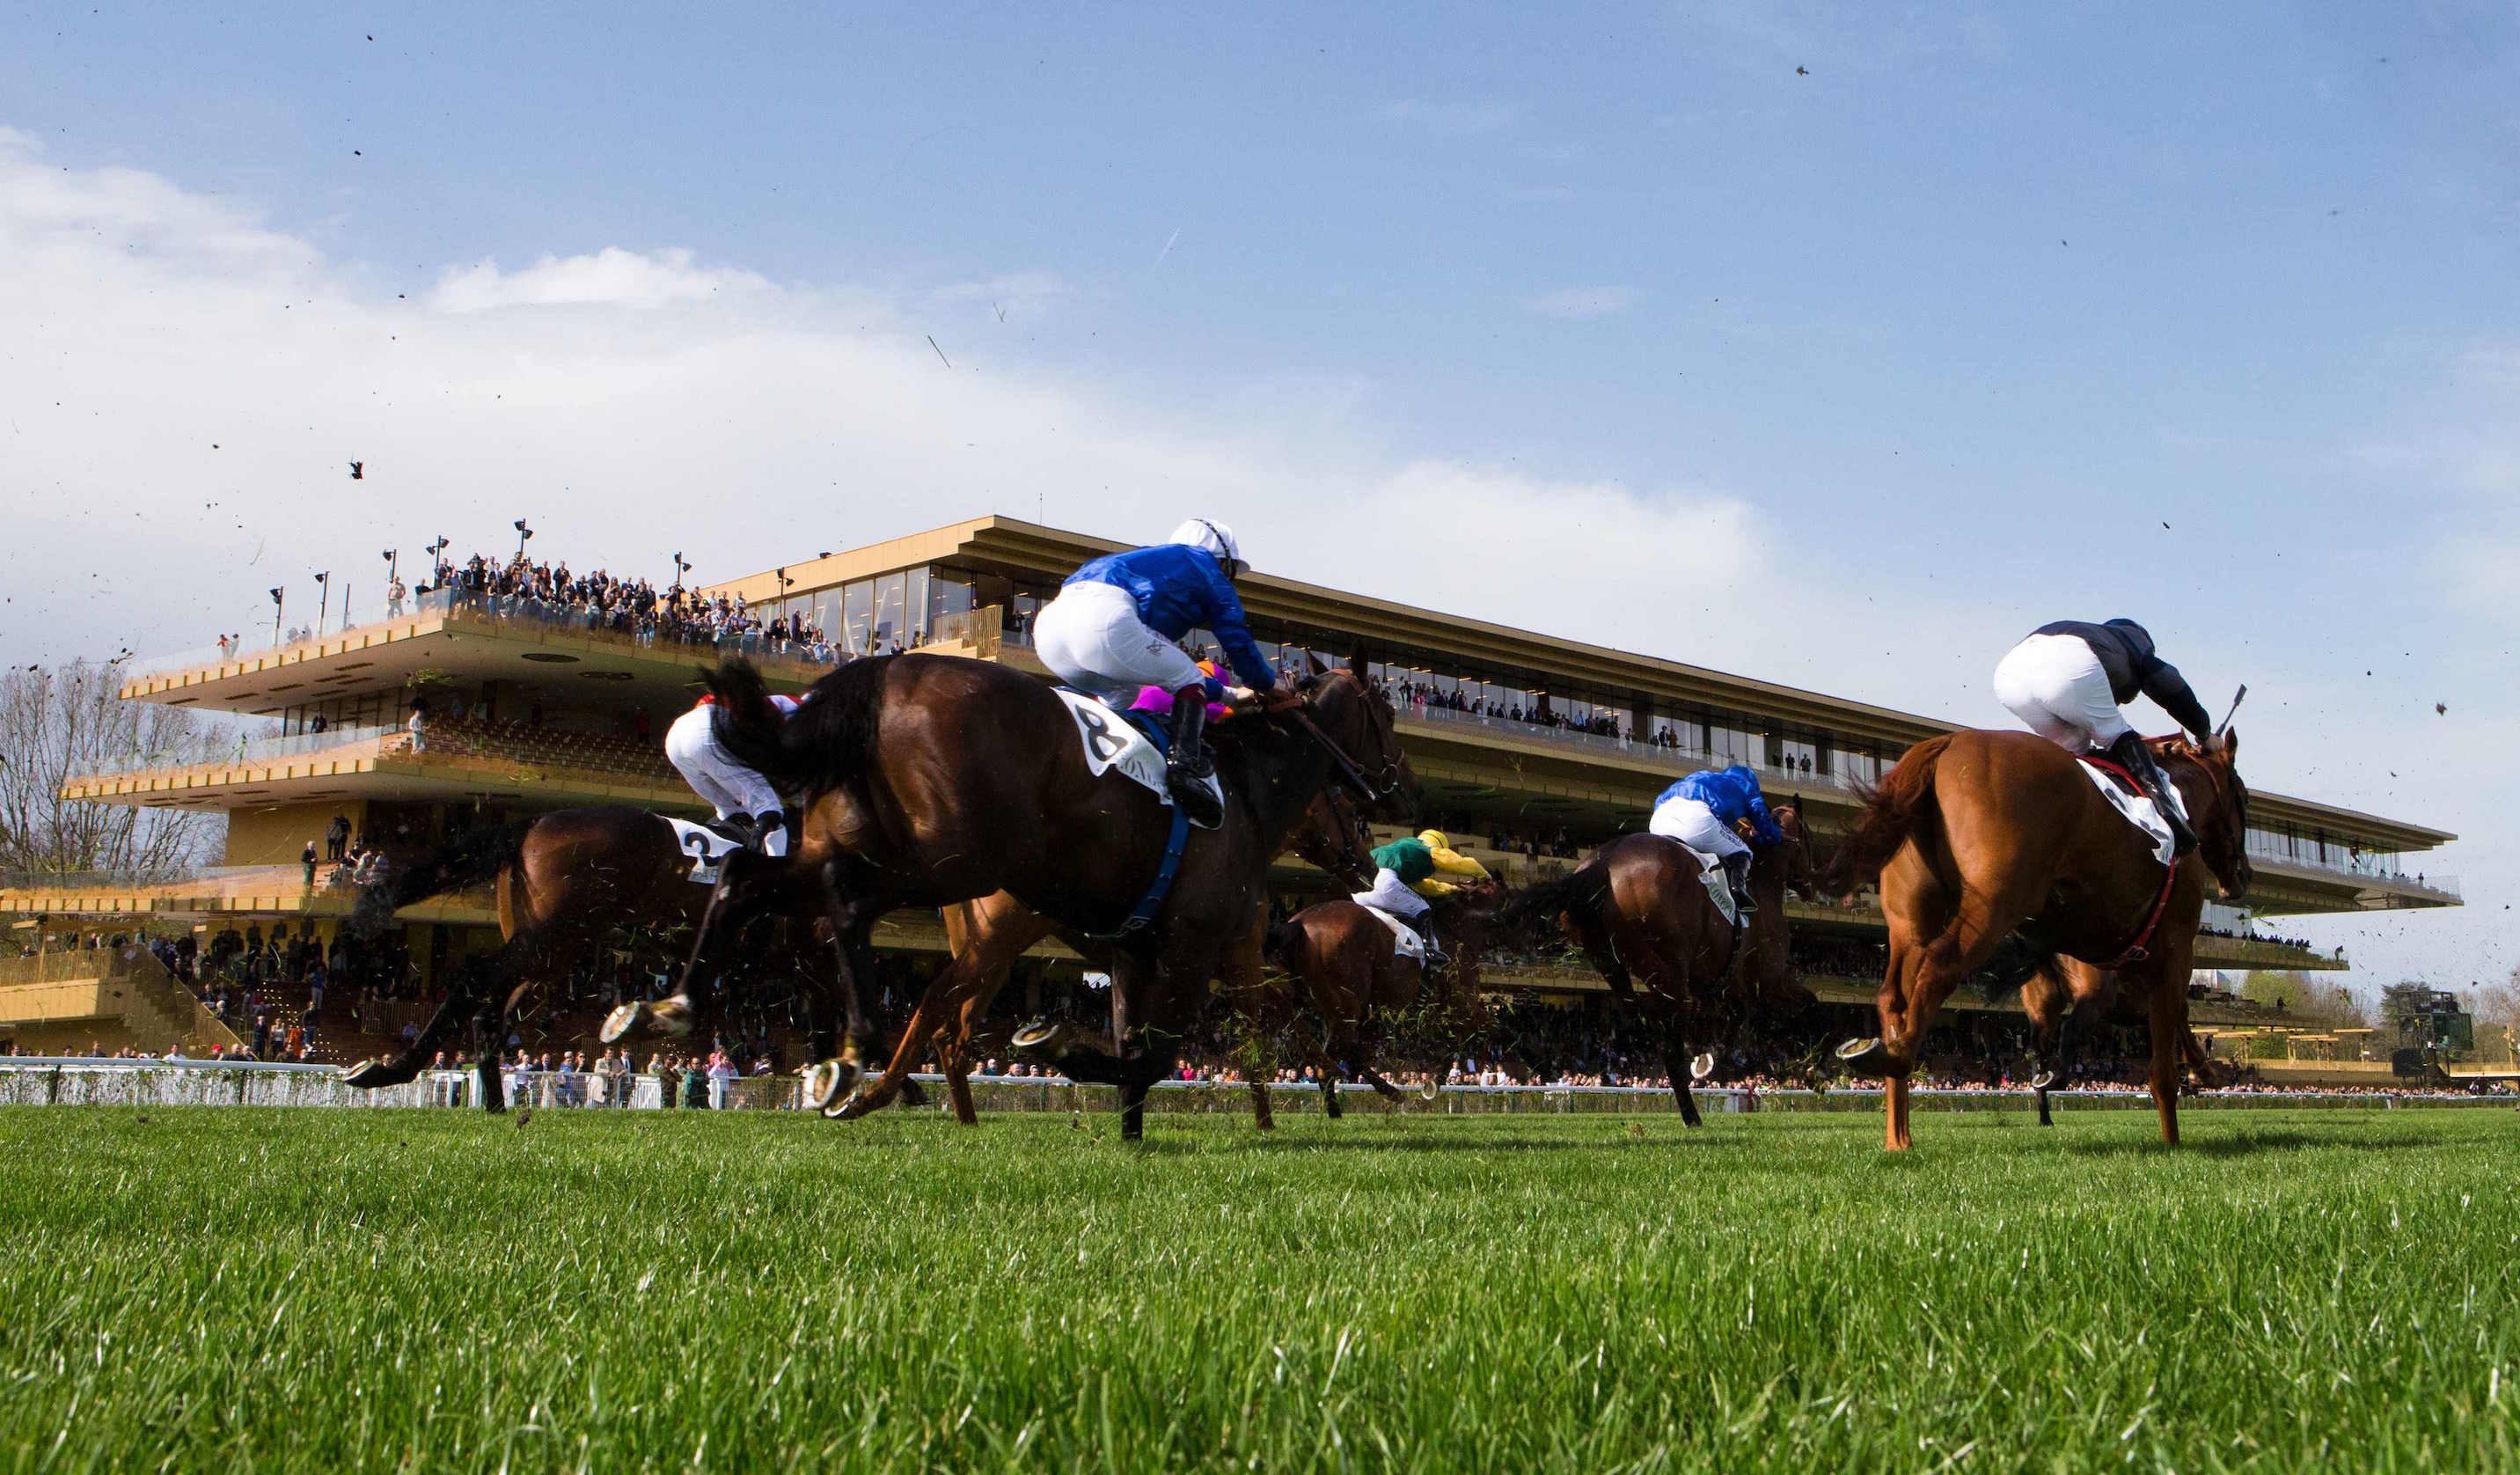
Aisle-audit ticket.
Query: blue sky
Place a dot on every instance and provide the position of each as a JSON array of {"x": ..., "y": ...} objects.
[{"x": 1864, "y": 367}]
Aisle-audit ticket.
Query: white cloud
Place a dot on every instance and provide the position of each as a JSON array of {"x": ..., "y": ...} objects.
[
  {"x": 1572, "y": 303},
  {"x": 1016, "y": 292},
  {"x": 610, "y": 277},
  {"x": 1452, "y": 117}
]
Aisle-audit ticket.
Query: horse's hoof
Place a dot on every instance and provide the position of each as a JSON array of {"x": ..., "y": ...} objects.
[
  {"x": 1434, "y": 1092},
  {"x": 2042, "y": 1080},
  {"x": 672, "y": 1015},
  {"x": 1034, "y": 1036},
  {"x": 1702, "y": 1067},
  {"x": 825, "y": 1081},
  {"x": 364, "y": 1075},
  {"x": 623, "y": 1023},
  {"x": 1855, "y": 1051}
]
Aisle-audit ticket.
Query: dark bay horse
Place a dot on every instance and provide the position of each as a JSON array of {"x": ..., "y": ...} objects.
[
  {"x": 570, "y": 885},
  {"x": 1643, "y": 918},
  {"x": 1975, "y": 834},
  {"x": 935, "y": 780},
  {"x": 1332, "y": 838},
  {"x": 1346, "y": 964}
]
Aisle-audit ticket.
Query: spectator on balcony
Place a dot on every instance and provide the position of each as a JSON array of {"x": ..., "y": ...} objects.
[
  {"x": 308, "y": 860},
  {"x": 336, "y": 835},
  {"x": 419, "y": 717},
  {"x": 393, "y": 598}
]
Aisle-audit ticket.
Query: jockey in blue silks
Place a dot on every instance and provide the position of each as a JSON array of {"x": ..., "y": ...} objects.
[
  {"x": 1115, "y": 628},
  {"x": 1706, "y": 810}
]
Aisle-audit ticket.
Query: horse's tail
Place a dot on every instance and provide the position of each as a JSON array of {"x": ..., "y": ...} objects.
[
  {"x": 827, "y": 740},
  {"x": 468, "y": 859},
  {"x": 1889, "y": 818},
  {"x": 1529, "y": 913}
]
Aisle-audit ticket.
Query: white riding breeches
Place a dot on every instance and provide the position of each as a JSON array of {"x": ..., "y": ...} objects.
[
  {"x": 730, "y": 788},
  {"x": 1392, "y": 894},
  {"x": 1091, "y": 638},
  {"x": 2055, "y": 685},
  {"x": 1690, "y": 822}
]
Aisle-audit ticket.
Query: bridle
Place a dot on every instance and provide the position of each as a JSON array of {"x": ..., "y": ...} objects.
[{"x": 1372, "y": 787}]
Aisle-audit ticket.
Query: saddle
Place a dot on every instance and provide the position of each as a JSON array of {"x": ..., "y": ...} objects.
[
  {"x": 1404, "y": 939},
  {"x": 1134, "y": 743},
  {"x": 706, "y": 845},
  {"x": 2127, "y": 797}
]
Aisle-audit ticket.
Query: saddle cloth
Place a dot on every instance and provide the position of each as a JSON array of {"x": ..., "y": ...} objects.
[
  {"x": 2138, "y": 809},
  {"x": 1405, "y": 939},
  {"x": 1113, "y": 742},
  {"x": 706, "y": 846},
  {"x": 1719, "y": 886}
]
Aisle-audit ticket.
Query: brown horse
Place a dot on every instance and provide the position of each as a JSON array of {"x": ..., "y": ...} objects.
[
  {"x": 1332, "y": 838},
  {"x": 1346, "y": 963},
  {"x": 936, "y": 780},
  {"x": 1975, "y": 834},
  {"x": 570, "y": 884},
  {"x": 1643, "y": 920}
]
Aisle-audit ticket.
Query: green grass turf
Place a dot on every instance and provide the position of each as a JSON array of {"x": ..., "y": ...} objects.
[{"x": 325, "y": 1289}]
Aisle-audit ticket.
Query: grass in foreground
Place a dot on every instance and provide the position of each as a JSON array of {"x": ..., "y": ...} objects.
[{"x": 355, "y": 1289}]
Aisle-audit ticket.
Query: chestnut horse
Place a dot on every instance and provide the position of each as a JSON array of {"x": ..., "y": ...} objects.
[
  {"x": 569, "y": 884},
  {"x": 935, "y": 780},
  {"x": 1975, "y": 834},
  {"x": 1347, "y": 963},
  {"x": 1641, "y": 916}
]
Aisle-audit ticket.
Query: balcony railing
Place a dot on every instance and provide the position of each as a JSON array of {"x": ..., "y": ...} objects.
[
  {"x": 1678, "y": 761},
  {"x": 443, "y": 742},
  {"x": 536, "y": 618}
]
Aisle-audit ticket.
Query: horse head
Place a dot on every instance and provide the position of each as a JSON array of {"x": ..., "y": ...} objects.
[
  {"x": 1794, "y": 853},
  {"x": 1333, "y": 839},
  {"x": 1355, "y": 717},
  {"x": 2220, "y": 819}
]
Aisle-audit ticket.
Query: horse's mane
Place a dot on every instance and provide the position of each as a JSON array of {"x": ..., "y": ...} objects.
[{"x": 827, "y": 741}]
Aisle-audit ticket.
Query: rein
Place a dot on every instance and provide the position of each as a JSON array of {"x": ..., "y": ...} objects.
[{"x": 1350, "y": 771}]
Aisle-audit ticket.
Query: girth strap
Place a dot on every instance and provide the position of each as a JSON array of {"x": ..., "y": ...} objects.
[
  {"x": 1153, "y": 901},
  {"x": 2136, "y": 953}
]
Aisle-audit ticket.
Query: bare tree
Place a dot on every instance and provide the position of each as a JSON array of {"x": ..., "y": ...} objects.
[{"x": 56, "y": 721}]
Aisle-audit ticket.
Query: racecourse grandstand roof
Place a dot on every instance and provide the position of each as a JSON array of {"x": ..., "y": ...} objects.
[{"x": 1015, "y": 545}]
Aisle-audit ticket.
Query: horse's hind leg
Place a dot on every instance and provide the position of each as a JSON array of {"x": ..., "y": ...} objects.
[{"x": 1675, "y": 1061}]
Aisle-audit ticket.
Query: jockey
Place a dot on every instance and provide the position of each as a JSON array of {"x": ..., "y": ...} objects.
[
  {"x": 2066, "y": 681},
  {"x": 748, "y": 807},
  {"x": 1405, "y": 877},
  {"x": 1113, "y": 629},
  {"x": 1705, "y": 813}
]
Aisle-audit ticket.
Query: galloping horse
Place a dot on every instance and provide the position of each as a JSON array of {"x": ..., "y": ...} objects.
[
  {"x": 1643, "y": 918},
  {"x": 935, "y": 780},
  {"x": 1975, "y": 834},
  {"x": 566, "y": 883},
  {"x": 1332, "y": 838},
  {"x": 1345, "y": 959}
]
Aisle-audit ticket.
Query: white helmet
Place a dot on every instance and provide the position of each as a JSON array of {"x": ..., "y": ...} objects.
[{"x": 1215, "y": 537}]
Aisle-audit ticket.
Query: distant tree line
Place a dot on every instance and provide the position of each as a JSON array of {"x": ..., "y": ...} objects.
[{"x": 55, "y": 720}]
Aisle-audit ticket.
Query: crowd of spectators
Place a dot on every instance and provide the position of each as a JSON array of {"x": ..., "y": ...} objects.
[{"x": 635, "y": 607}]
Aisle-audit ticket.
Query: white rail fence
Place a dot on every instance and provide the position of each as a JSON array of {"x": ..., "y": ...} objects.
[{"x": 38, "y": 1081}]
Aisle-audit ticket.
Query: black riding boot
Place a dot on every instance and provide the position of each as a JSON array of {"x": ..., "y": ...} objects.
[
  {"x": 736, "y": 827},
  {"x": 1736, "y": 869},
  {"x": 1187, "y": 769},
  {"x": 2129, "y": 752},
  {"x": 765, "y": 824},
  {"x": 1435, "y": 958}
]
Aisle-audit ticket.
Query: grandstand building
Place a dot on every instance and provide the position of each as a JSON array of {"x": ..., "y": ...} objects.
[{"x": 1532, "y": 747}]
